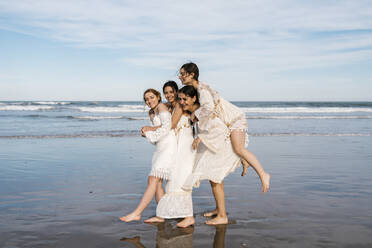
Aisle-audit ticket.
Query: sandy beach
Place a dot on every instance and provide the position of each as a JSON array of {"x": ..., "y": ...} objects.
[{"x": 70, "y": 193}]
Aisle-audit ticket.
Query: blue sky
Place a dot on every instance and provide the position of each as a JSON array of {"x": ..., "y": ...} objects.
[{"x": 247, "y": 50}]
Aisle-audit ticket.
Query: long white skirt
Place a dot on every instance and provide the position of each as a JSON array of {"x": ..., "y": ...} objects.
[{"x": 177, "y": 203}]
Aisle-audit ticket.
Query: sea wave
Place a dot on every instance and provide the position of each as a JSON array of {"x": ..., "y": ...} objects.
[
  {"x": 134, "y": 133},
  {"x": 107, "y": 117},
  {"x": 24, "y": 108},
  {"x": 294, "y": 117},
  {"x": 51, "y": 103},
  {"x": 118, "y": 109},
  {"x": 306, "y": 110},
  {"x": 310, "y": 134}
]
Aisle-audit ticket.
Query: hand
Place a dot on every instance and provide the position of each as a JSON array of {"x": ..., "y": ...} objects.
[
  {"x": 195, "y": 144},
  {"x": 144, "y": 130},
  {"x": 143, "y": 133},
  {"x": 193, "y": 117}
]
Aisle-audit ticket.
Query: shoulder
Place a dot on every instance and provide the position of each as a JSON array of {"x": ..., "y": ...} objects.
[
  {"x": 162, "y": 107},
  {"x": 178, "y": 106}
]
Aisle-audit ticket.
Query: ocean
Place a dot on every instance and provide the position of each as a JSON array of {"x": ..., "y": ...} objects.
[
  {"x": 69, "y": 170},
  {"x": 62, "y": 119}
]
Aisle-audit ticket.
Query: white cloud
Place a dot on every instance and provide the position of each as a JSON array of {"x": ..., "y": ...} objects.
[{"x": 242, "y": 37}]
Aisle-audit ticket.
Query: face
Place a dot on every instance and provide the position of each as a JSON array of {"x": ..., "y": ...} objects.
[
  {"x": 170, "y": 94},
  {"x": 186, "y": 101},
  {"x": 185, "y": 77},
  {"x": 151, "y": 100}
]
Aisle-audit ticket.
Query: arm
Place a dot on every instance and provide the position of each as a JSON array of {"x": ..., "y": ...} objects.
[
  {"x": 205, "y": 112},
  {"x": 144, "y": 129},
  {"x": 175, "y": 119},
  {"x": 163, "y": 130}
]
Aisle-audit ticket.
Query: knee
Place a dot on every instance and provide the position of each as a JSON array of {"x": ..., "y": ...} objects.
[
  {"x": 239, "y": 150},
  {"x": 154, "y": 180}
]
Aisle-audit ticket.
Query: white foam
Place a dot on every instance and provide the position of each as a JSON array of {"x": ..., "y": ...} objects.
[
  {"x": 52, "y": 103},
  {"x": 289, "y": 117},
  {"x": 119, "y": 109},
  {"x": 311, "y": 134},
  {"x": 307, "y": 110},
  {"x": 24, "y": 108},
  {"x": 128, "y": 134}
]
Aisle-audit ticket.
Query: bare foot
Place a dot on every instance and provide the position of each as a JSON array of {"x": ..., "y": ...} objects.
[
  {"x": 154, "y": 220},
  {"x": 245, "y": 166},
  {"x": 188, "y": 221},
  {"x": 211, "y": 213},
  {"x": 130, "y": 217},
  {"x": 217, "y": 221},
  {"x": 265, "y": 180}
]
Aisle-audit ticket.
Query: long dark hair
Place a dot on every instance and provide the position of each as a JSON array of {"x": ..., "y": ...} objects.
[
  {"x": 191, "y": 68},
  {"x": 171, "y": 84},
  {"x": 190, "y": 91}
]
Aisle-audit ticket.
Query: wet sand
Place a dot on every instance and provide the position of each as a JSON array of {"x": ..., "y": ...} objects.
[{"x": 71, "y": 192}]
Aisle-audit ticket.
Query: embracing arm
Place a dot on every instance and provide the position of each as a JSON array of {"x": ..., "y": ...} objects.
[{"x": 166, "y": 123}]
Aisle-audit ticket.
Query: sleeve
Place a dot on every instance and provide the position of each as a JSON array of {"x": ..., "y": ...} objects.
[
  {"x": 205, "y": 113},
  {"x": 163, "y": 130}
]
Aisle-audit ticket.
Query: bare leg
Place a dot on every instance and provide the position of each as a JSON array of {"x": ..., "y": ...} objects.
[
  {"x": 152, "y": 184},
  {"x": 159, "y": 191},
  {"x": 237, "y": 140},
  {"x": 219, "y": 196},
  {"x": 188, "y": 221}
]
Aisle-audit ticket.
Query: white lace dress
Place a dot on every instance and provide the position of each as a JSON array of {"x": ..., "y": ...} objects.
[
  {"x": 215, "y": 158},
  {"x": 177, "y": 203},
  {"x": 213, "y": 105},
  {"x": 164, "y": 138}
]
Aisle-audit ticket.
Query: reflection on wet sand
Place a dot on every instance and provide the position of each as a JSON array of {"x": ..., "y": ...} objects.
[
  {"x": 219, "y": 236},
  {"x": 169, "y": 236}
]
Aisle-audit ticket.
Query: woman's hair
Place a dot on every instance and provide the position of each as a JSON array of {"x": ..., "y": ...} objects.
[
  {"x": 190, "y": 91},
  {"x": 171, "y": 84},
  {"x": 155, "y": 92},
  {"x": 191, "y": 68}
]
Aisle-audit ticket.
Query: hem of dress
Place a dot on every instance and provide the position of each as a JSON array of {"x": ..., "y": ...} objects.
[
  {"x": 160, "y": 174},
  {"x": 174, "y": 217},
  {"x": 193, "y": 181}
]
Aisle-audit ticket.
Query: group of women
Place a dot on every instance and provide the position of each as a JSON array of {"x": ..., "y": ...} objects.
[{"x": 184, "y": 158}]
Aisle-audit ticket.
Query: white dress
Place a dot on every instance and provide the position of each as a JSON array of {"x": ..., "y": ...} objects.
[
  {"x": 177, "y": 203},
  {"x": 213, "y": 105},
  {"x": 214, "y": 163},
  {"x": 164, "y": 138},
  {"x": 215, "y": 158}
]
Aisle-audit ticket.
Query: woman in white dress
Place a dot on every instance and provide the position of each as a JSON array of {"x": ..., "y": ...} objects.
[
  {"x": 164, "y": 155},
  {"x": 213, "y": 106},
  {"x": 215, "y": 157},
  {"x": 177, "y": 203}
]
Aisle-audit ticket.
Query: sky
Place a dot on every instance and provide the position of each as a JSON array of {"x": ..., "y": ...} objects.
[{"x": 113, "y": 50}]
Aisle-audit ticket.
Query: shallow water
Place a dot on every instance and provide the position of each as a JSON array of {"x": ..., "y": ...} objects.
[
  {"x": 70, "y": 193},
  {"x": 31, "y": 119}
]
